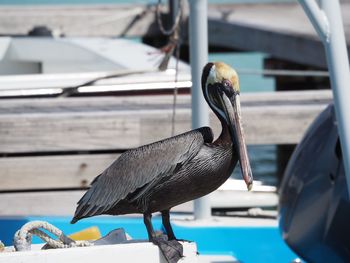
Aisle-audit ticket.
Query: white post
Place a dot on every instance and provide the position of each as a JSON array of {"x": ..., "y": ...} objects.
[
  {"x": 198, "y": 35},
  {"x": 339, "y": 71}
]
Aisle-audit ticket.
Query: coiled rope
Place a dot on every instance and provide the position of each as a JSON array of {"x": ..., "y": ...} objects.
[{"x": 22, "y": 239}]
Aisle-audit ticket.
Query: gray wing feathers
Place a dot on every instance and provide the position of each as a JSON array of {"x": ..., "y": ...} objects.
[{"x": 138, "y": 167}]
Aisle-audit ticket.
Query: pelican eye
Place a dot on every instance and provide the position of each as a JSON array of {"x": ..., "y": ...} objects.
[
  {"x": 226, "y": 83},
  {"x": 228, "y": 89}
]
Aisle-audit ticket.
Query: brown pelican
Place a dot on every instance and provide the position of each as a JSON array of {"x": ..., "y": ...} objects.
[{"x": 161, "y": 175}]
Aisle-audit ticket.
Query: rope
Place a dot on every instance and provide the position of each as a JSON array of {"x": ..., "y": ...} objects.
[
  {"x": 176, "y": 22},
  {"x": 174, "y": 44},
  {"x": 177, "y": 50},
  {"x": 175, "y": 89},
  {"x": 23, "y": 238}
]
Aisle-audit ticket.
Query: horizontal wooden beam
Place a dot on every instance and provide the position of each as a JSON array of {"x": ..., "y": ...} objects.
[
  {"x": 52, "y": 172},
  {"x": 63, "y": 203},
  {"x": 95, "y": 123},
  {"x": 65, "y": 128},
  {"x": 54, "y": 203}
]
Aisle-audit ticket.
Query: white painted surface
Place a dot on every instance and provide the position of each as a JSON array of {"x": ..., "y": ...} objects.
[
  {"x": 64, "y": 55},
  {"x": 147, "y": 80},
  {"x": 135, "y": 252},
  {"x": 4, "y": 45},
  {"x": 216, "y": 259}
]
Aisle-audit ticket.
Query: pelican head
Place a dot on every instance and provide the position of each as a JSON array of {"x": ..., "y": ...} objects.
[{"x": 220, "y": 86}]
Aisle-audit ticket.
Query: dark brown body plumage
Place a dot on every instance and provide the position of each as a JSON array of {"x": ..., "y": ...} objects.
[{"x": 161, "y": 175}]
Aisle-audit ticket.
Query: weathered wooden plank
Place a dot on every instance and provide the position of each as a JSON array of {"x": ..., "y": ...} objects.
[
  {"x": 99, "y": 124},
  {"x": 278, "y": 125},
  {"x": 39, "y": 203},
  {"x": 52, "y": 172},
  {"x": 53, "y": 203},
  {"x": 64, "y": 202},
  {"x": 87, "y": 131},
  {"x": 91, "y": 104},
  {"x": 68, "y": 132},
  {"x": 83, "y": 104}
]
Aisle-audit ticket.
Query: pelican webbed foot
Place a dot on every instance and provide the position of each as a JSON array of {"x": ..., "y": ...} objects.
[{"x": 172, "y": 250}]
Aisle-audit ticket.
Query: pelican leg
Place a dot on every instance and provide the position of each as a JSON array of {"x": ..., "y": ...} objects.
[
  {"x": 147, "y": 219},
  {"x": 172, "y": 250},
  {"x": 167, "y": 225}
]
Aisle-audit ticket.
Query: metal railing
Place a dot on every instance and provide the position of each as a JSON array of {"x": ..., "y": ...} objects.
[{"x": 327, "y": 20}]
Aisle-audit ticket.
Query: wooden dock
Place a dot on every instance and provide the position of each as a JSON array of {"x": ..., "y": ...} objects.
[
  {"x": 63, "y": 143},
  {"x": 281, "y": 30},
  {"x": 78, "y": 137}
]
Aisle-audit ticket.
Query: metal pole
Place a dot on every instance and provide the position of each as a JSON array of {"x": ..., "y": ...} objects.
[
  {"x": 317, "y": 18},
  {"x": 198, "y": 35},
  {"x": 339, "y": 71},
  {"x": 338, "y": 64}
]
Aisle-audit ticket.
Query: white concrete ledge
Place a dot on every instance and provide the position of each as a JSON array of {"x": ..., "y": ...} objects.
[{"x": 132, "y": 252}]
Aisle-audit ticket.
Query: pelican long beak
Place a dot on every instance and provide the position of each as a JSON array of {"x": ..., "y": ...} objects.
[{"x": 233, "y": 113}]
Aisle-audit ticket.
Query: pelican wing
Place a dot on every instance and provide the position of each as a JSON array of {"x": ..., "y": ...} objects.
[{"x": 139, "y": 168}]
